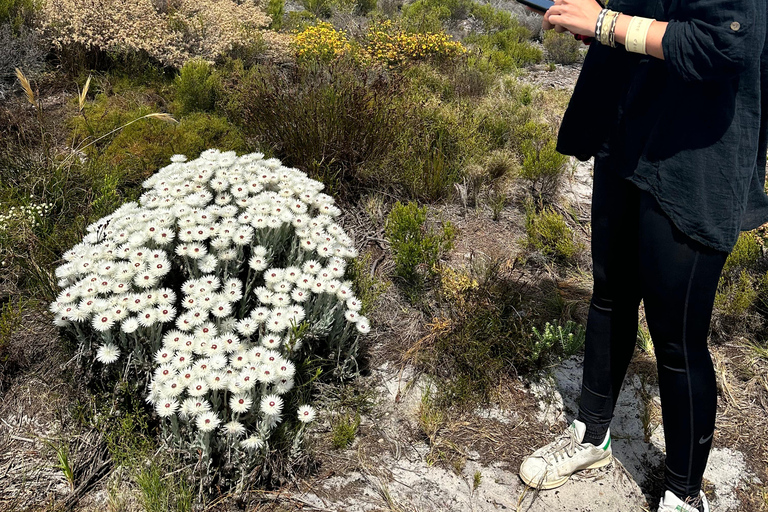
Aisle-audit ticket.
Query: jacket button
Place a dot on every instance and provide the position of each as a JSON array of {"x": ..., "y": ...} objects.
[{"x": 735, "y": 26}]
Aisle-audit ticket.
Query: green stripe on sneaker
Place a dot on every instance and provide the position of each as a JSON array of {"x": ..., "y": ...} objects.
[{"x": 607, "y": 444}]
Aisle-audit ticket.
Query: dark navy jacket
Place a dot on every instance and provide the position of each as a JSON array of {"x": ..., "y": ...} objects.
[{"x": 690, "y": 129}]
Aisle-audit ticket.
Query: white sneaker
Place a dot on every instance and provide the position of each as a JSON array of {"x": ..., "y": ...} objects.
[
  {"x": 552, "y": 465},
  {"x": 671, "y": 503}
]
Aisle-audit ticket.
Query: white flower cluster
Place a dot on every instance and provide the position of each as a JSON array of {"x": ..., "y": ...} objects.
[
  {"x": 188, "y": 277},
  {"x": 205, "y": 29},
  {"x": 31, "y": 214}
]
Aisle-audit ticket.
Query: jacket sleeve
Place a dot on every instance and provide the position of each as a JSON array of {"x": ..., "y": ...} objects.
[{"x": 714, "y": 39}]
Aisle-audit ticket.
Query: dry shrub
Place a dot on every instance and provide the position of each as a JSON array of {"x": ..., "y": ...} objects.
[
  {"x": 207, "y": 29},
  {"x": 328, "y": 120}
]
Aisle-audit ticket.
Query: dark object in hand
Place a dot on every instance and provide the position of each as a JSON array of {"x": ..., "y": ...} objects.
[{"x": 540, "y": 6}]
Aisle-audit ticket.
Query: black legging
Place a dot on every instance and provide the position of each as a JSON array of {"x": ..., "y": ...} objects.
[{"x": 637, "y": 252}]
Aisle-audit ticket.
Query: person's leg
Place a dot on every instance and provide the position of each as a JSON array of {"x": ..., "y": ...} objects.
[
  {"x": 610, "y": 338},
  {"x": 612, "y": 321},
  {"x": 680, "y": 277}
]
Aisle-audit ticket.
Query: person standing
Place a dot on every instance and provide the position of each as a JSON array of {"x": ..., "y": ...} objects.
[{"x": 669, "y": 102}]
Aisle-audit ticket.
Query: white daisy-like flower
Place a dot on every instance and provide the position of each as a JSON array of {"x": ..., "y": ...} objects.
[
  {"x": 207, "y": 263},
  {"x": 240, "y": 403},
  {"x": 271, "y": 341},
  {"x": 253, "y": 443},
  {"x": 166, "y": 407},
  {"x": 197, "y": 387},
  {"x": 363, "y": 325},
  {"x": 217, "y": 380},
  {"x": 129, "y": 325},
  {"x": 271, "y": 405},
  {"x": 207, "y": 421},
  {"x": 103, "y": 321},
  {"x": 247, "y": 326},
  {"x": 234, "y": 429},
  {"x": 172, "y": 387},
  {"x": 354, "y": 304},
  {"x": 107, "y": 354},
  {"x": 282, "y": 386},
  {"x": 306, "y": 413},
  {"x": 260, "y": 315},
  {"x": 164, "y": 373}
]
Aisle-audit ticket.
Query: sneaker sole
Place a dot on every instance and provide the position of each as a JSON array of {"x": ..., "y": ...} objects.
[{"x": 561, "y": 481}]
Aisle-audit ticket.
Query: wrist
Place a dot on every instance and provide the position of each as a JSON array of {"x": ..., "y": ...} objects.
[{"x": 622, "y": 24}]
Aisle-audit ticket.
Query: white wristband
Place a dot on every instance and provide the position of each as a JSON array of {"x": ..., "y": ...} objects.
[{"x": 637, "y": 33}]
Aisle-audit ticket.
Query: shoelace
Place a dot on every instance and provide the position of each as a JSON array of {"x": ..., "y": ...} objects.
[
  {"x": 566, "y": 445},
  {"x": 695, "y": 504}
]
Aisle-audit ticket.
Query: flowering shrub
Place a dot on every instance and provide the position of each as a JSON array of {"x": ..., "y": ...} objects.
[
  {"x": 383, "y": 43},
  {"x": 206, "y": 29},
  {"x": 321, "y": 42},
  {"x": 393, "y": 46},
  {"x": 227, "y": 273}
]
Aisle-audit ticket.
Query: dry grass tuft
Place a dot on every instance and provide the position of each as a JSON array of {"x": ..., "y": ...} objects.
[{"x": 27, "y": 88}]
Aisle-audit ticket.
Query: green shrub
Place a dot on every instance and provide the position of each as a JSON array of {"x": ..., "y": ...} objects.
[
  {"x": 493, "y": 19},
  {"x": 416, "y": 249},
  {"x": 319, "y": 8},
  {"x": 429, "y": 15},
  {"x": 567, "y": 339},
  {"x": 141, "y": 148},
  {"x": 18, "y": 13},
  {"x": 196, "y": 88},
  {"x": 276, "y": 11},
  {"x": 507, "y": 49},
  {"x": 735, "y": 299},
  {"x": 433, "y": 149},
  {"x": 745, "y": 255},
  {"x": 363, "y": 7},
  {"x": 548, "y": 233},
  {"x": 344, "y": 430},
  {"x": 561, "y": 48},
  {"x": 298, "y": 20},
  {"x": 542, "y": 166}
]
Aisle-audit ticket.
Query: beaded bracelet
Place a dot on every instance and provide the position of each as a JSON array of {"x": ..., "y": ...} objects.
[
  {"x": 612, "y": 33},
  {"x": 599, "y": 24},
  {"x": 605, "y": 29}
]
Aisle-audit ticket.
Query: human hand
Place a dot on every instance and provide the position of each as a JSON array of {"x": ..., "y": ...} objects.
[{"x": 576, "y": 16}]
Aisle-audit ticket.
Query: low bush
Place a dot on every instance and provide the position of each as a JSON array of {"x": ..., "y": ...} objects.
[
  {"x": 18, "y": 13},
  {"x": 84, "y": 32},
  {"x": 561, "y": 48},
  {"x": 542, "y": 167},
  {"x": 507, "y": 49},
  {"x": 483, "y": 331},
  {"x": 565, "y": 339},
  {"x": 434, "y": 148},
  {"x": 227, "y": 297},
  {"x": 196, "y": 87},
  {"x": 326, "y": 120},
  {"x": 392, "y": 45},
  {"x": 322, "y": 43},
  {"x": 276, "y": 12},
  {"x": 741, "y": 300},
  {"x": 548, "y": 233},
  {"x": 416, "y": 248},
  {"x": 22, "y": 49},
  {"x": 140, "y": 148}
]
